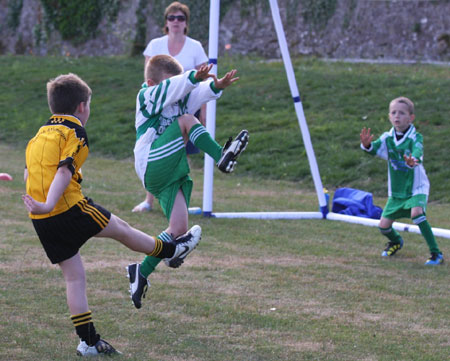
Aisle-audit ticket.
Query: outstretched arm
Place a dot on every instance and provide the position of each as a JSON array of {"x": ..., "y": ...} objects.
[
  {"x": 365, "y": 137},
  {"x": 57, "y": 188}
]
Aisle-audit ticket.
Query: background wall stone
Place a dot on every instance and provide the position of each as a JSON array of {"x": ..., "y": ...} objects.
[{"x": 376, "y": 29}]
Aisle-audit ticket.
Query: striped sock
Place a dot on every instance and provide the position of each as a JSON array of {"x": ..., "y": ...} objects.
[
  {"x": 150, "y": 262},
  {"x": 84, "y": 327},
  {"x": 391, "y": 234},
  {"x": 427, "y": 232},
  {"x": 200, "y": 137}
]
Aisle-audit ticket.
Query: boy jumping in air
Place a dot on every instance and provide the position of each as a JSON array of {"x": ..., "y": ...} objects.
[
  {"x": 408, "y": 184},
  {"x": 164, "y": 124},
  {"x": 63, "y": 218}
]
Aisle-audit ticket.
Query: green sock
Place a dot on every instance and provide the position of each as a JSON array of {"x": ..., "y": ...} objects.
[
  {"x": 203, "y": 140},
  {"x": 149, "y": 263},
  {"x": 427, "y": 232},
  {"x": 391, "y": 234}
]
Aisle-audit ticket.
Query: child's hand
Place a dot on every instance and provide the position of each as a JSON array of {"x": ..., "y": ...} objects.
[
  {"x": 203, "y": 72},
  {"x": 34, "y": 206},
  {"x": 410, "y": 160},
  {"x": 226, "y": 81},
  {"x": 366, "y": 137}
]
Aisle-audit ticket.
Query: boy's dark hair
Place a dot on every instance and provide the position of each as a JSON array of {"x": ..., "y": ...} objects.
[
  {"x": 66, "y": 92},
  {"x": 173, "y": 8},
  {"x": 160, "y": 66},
  {"x": 408, "y": 102}
]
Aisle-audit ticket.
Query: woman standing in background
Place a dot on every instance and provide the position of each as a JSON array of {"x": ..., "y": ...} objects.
[{"x": 189, "y": 52}]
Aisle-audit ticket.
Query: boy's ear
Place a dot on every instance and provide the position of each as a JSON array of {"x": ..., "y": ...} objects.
[
  {"x": 80, "y": 107},
  {"x": 150, "y": 82},
  {"x": 412, "y": 117}
]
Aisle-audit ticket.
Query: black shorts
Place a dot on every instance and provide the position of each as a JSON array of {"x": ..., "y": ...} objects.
[{"x": 64, "y": 234}]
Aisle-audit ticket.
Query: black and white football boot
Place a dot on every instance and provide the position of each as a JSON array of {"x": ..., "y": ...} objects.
[
  {"x": 231, "y": 151},
  {"x": 100, "y": 348},
  {"x": 138, "y": 284},
  {"x": 184, "y": 245}
]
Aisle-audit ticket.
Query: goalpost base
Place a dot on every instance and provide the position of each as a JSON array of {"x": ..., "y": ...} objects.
[
  {"x": 266, "y": 215},
  {"x": 403, "y": 227}
]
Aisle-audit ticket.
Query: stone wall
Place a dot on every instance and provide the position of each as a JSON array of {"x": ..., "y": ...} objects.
[{"x": 376, "y": 29}]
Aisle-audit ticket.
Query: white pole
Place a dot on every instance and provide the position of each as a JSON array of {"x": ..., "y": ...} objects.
[
  {"x": 269, "y": 215},
  {"x": 298, "y": 106},
  {"x": 412, "y": 228},
  {"x": 208, "y": 177}
]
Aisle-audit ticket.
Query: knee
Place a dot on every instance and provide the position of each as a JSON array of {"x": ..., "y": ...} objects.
[
  {"x": 416, "y": 212},
  {"x": 187, "y": 118},
  {"x": 123, "y": 227},
  {"x": 187, "y": 121}
]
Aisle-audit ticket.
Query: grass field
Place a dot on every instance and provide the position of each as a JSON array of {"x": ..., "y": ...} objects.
[
  {"x": 252, "y": 290},
  {"x": 338, "y": 99}
]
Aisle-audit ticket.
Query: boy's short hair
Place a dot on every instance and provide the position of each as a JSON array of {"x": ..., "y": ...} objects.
[
  {"x": 160, "y": 66},
  {"x": 173, "y": 8},
  {"x": 405, "y": 101},
  {"x": 66, "y": 92}
]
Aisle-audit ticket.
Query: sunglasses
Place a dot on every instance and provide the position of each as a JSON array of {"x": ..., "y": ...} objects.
[{"x": 180, "y": 18}]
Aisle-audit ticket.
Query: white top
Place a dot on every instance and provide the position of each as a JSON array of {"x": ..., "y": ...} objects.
[
  {"x": 191, "y": 56},
  {"x": 160, "y": 105}
]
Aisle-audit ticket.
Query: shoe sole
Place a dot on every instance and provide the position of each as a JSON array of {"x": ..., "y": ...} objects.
[
  {"x": 131, "y": 274},
  {"x": 232, "y": 155},
  {"x": 178, "y": 261}
]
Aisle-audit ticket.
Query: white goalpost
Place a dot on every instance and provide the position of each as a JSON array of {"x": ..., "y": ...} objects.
[
  {"x": 208, "y": 181},
  {"x": 211, "y": 122}
]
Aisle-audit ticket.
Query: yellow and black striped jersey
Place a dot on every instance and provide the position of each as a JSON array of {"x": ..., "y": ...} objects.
[{"x": 61, "y": 141}]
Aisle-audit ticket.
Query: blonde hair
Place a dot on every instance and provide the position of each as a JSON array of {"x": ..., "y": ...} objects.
[
  {"x": 406, "y": 101},
  {"x": 160, "y": 67},
  {"x": 66, "y": 92},
  {"x": 174, "y": 7}
]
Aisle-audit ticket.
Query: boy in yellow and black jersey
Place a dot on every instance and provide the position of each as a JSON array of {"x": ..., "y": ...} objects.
[
  {"x": 61, "y": 142},
  {"x": 63, "y": 217}
]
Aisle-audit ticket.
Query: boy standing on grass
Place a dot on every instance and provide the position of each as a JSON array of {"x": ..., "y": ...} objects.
[
  {"x": 164, "y": 124},
  {"x": 63, "y": 218},
  {"x": 408, "y": 185}
]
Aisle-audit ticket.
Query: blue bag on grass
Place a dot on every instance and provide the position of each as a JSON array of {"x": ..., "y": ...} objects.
[{"x": 355, "y": 202}]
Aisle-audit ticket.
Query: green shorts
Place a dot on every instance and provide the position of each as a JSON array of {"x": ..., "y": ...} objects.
[
  {"x": 401, "y": 207},
  {"x": 168, "y": 169}
]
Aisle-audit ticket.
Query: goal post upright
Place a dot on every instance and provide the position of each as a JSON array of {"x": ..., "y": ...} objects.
[
  {"x": 298, "y": 106},
  {"x": 208, "y": 176},
  {"x": 211, "y": 109}
]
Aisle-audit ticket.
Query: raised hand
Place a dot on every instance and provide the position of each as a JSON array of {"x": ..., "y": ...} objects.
[
  {"x": 226, "y": 81},
  {"x": 203, "y": 72},
  {"x": 366, "y": 137},
  {"x": 410, "y": 160}
]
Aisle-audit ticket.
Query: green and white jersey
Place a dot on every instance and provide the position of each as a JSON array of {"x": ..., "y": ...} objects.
[
  {"x": 159, "y": 106},
  {"x": 403, "y": 181}
]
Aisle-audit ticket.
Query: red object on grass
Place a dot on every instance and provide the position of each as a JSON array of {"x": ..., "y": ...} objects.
[{"x": 5, "y": 176}]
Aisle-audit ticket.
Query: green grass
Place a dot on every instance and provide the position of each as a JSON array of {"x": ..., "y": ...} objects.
[
  {"x": 252, "y": 290},
  {"x": 338, "y": 99}
]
